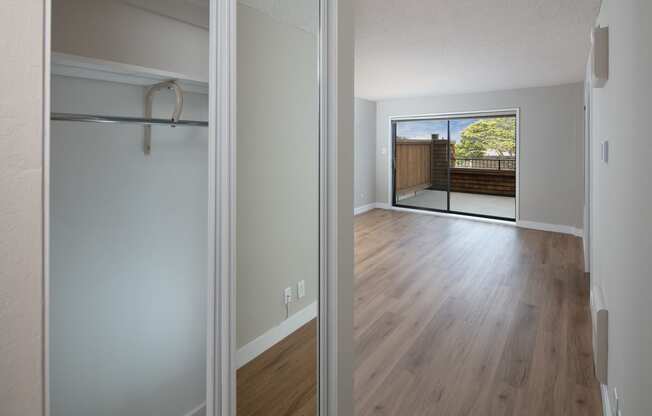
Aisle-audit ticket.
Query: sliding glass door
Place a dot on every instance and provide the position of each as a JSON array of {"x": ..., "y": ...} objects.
[
  {"x": 421, "y": 159},
  {"x": 463, "y": 164}
]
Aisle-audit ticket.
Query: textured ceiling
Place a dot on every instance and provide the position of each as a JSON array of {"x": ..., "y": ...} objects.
[{"x": 432, "y": 47}]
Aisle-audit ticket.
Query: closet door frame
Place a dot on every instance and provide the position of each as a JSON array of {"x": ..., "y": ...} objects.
[
  {"x": 221, "y": 371},
  {"x": 221, "y": 389}
]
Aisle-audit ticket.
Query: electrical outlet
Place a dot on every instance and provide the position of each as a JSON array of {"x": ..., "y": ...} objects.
[
  {"x": 301, "y": 289},
  {"x": 287, "y": 295}
]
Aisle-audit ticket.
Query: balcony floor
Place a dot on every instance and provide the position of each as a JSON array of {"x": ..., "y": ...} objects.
[{"x": 495, "y": 206}]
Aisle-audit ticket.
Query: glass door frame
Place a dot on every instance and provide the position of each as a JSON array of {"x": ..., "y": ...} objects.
[
  {"x": 510, "y": 112},
  {"x": 395, "y": 200}
]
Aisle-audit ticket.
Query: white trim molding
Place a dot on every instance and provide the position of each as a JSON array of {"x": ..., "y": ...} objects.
[
  {"x": 196, "y": 411},
  {"x": 364, "y": 208},
  {"x": 276, "y": 334},
  {"x": 554, "y": 228},
  {"x": 221, "y": 391},
  {"x": 597, "y": 302},
  {"x": 606, "y": 403}
]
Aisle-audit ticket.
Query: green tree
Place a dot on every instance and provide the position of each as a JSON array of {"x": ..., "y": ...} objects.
[{"x": 489, "y": 134}]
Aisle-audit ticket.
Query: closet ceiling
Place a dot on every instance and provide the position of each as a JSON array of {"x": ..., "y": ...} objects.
[
  {"x": 433, "y": 47},
  {"x": 301, "y": 14},
  {"x": 194, "y": 12}
]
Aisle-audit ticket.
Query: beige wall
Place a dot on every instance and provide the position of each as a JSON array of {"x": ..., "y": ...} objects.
[
  {"x": 621, "y": 231},
  {"x": 551, "y": 145},
  {"x": 21, "y": 291},
  {"x": 277, "y": 178},
  {"x": 342, "y": 146},
  {"x": 365, "y": 152}
]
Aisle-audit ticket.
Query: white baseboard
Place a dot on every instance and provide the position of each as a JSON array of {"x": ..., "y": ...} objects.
[
  {"x": 364, "y": 208},
  {"x": 563, "y": 229},
  {"x": 555, "y": 228},
  {"x": 196, "y": 411},
  {"x": 276, "y": 334},
  {"x": 597, "y": 298},
  {"x": 597, "y": 302},
  {"x": 443, "y": 214},
  {"x": 369, "y": 207},
  {"x": 606, "y": 403}
]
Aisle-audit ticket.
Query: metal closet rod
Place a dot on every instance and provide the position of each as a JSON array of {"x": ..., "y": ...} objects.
[{"x": 94, "y": 118}]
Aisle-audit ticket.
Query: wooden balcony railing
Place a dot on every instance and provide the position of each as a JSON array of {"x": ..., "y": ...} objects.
[
  {"x": 424, "y": 164},
  {"x": 484, "y": 163}
]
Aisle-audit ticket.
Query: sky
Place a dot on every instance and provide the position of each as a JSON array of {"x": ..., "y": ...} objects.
[{"x": 423, "y": 129}]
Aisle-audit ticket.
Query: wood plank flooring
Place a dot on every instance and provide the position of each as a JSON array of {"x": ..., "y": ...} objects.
[
  {"x": 458, "y": 317},
  {"x": 282, "y": 381},
  {"x": 452, "y": 317}
]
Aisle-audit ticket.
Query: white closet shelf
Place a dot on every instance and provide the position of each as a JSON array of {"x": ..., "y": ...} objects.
[{"x": 90, "y": 68}]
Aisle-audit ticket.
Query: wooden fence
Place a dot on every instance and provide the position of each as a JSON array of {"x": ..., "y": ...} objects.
[{"x": 415, "y": 170}]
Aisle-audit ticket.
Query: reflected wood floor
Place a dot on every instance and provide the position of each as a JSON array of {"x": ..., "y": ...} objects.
[
  {"x": 282, "y": 381},
  {"x": 459, "y": 317}
]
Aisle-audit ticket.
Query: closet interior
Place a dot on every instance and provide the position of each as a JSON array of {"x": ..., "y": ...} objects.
[{"x": 128, "y": 214}]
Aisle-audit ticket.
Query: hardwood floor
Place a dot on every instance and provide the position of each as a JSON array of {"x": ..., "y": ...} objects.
[
  {"x": 458, "y": 317},
  {"x": 283, "y": 380}
]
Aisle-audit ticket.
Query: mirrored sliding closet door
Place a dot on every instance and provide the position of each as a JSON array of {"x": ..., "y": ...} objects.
[
  {"x": 129, "y": 208},
  {"x": 278, "y": 188}
]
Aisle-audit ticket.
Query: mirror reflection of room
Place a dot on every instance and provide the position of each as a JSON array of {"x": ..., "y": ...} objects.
[
  {"x": 129, "y": 208},
  {"x": 277, "y": 208}
]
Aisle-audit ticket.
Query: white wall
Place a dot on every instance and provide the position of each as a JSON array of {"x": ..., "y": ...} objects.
[
  {"x": 365, "y": 152},
  {"x": 21, "y": 288},
  {"x": 115, "y": 31},
  {"x": 128, "y": 256},
  {"x": 621, "y": 201},
  {"x": 278, "y": 170},
  {"x": 551, "y": 145}
]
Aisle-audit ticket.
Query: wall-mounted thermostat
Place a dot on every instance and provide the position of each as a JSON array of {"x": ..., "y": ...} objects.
[{"x": 600, "y": 56}]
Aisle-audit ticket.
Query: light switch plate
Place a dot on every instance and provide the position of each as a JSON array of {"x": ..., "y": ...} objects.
[
  {"x": 301, "y": 289},
  {"x": 604, "y": 151}
]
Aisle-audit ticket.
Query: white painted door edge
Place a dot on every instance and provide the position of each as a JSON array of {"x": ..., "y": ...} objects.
[{"x": 221, "y": 387}]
